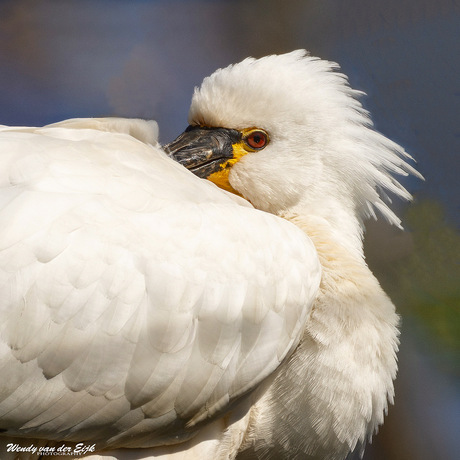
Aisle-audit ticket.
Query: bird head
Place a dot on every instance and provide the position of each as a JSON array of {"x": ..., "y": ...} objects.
[{"x": 288, "y": 133}]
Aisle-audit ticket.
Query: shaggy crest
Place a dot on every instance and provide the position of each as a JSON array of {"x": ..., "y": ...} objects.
[{"x": 306, "y": 102}]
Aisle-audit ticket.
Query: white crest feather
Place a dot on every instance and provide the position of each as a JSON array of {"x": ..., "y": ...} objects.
[{"x": 312, "y": 114}]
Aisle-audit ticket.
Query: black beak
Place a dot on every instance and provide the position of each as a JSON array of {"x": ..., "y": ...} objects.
[{"x": 203, "y": 150}]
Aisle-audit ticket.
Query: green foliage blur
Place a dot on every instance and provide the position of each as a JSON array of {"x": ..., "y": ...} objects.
[{"x": 425, "y": 283}]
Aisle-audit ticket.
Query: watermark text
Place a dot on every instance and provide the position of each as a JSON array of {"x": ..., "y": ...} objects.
[{"x": 77, "y": 449}]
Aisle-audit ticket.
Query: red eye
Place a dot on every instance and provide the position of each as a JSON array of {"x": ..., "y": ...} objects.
[{"x": 257, "y": 140}]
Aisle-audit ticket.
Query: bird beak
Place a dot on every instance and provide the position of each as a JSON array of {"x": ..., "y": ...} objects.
[{"x": 203, "y": 151}]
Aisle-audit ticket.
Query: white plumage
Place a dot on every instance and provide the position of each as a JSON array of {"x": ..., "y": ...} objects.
[{"x": 143, "y": 307}]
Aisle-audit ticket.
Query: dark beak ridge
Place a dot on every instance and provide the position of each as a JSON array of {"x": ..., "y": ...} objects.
[{"x": 203, "y": 150}]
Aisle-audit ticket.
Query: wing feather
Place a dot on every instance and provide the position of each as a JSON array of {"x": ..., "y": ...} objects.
[{"x": 136, "y": 300}]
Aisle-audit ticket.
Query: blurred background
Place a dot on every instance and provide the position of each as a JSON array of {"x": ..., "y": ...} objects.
[{"x": 140, "y": 58}]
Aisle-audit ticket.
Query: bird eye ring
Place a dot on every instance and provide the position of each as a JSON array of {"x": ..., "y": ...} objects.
[{"x": 256, "y": 140}]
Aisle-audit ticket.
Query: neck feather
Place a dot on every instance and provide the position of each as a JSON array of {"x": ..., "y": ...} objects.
[
  {"x": 332, "y": 218},
  {"x": 333, "y": 391}
]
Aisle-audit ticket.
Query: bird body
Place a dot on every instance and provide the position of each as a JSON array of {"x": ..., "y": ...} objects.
[
  {"x": 156, "y": 315},
  {"x": 123, "y": 275}
]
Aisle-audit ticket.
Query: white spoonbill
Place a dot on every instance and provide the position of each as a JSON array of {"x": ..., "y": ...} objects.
[{"x": 147, "y": 313}]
